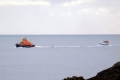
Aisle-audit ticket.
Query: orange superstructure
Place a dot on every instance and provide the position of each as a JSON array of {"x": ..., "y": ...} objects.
[{"x": 25, "y": 43}]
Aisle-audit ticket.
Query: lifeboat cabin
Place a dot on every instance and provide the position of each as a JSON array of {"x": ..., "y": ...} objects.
[
  {"x": 104, "y": 43},
  {"x": 25, "y": 43}
]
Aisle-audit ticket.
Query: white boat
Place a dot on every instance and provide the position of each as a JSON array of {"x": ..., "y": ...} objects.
[{"x": 104, "y": 43}]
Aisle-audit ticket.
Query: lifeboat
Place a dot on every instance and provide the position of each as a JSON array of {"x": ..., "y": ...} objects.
[
  {"x": 25, "y": 43},
  {"x": 104, "y": 43}
]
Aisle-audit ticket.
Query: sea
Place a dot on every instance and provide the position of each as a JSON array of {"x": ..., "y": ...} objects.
[{"x": 56, "y": 57}]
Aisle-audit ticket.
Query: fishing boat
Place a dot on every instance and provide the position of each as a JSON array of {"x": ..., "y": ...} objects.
[
  {"x": 25, "y": 43},
  {"x": 104, "y": 43}
]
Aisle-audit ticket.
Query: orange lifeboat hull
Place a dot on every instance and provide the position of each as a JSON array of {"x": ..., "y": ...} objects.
[{"x": 28, "y": 46}]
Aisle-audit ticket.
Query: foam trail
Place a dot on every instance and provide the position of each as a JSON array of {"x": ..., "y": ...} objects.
[
  {"x": 88, "y": 46},
  {"x": 67, "y": 46},
  {"x": 117, "y": 45},
  {"x": 38, "y": 46},
  {"x": 108, "y": 45},
  {"x": 57, "y": 46},
  {"x": 75, "y": 46},
  {"x": 43, "y": 46}
]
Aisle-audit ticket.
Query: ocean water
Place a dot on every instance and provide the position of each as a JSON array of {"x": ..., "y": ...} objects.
[{"x": 56, "y": 57}]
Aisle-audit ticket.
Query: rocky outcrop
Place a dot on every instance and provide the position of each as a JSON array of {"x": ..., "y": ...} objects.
[
  {"x": 74, "y": 78},
  {"x": 112, "y": 73}
]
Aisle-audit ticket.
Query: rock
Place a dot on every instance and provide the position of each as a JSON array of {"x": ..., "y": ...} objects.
[
  {"x": 112, "y": 73},
  {"x": 74, "y": 78}
]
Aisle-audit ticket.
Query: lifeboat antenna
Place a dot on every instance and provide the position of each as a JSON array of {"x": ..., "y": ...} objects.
[{"x": 25, "y": 38}]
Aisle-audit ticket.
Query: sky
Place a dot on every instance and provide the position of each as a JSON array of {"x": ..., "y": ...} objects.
[{"x": 59, "y": 17}]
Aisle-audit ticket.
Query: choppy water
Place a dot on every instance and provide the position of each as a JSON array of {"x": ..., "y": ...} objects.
[{"x": 56, "y": 57}]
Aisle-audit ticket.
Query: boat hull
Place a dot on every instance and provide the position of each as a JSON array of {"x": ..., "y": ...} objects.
[
  {"x": 27, "y": 46},
  {"x": 103, "y": 44}
]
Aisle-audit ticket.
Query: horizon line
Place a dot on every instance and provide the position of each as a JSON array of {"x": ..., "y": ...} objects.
[{"x": 59, "y": 34}]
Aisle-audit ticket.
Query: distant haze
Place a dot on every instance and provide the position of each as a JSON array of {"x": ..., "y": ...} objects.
[{"x": 59, "y": 16}]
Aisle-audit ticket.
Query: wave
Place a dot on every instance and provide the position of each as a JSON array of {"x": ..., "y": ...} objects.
[
  {"x": 77, "y": 46},
  {"x": 56, "y": 46}
]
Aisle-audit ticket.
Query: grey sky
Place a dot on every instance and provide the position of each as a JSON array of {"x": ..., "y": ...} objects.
[{"x": 59, "y": 16}]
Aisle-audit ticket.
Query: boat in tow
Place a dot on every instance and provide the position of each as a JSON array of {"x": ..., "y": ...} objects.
[
  {"x": 104, "y": 43},
  {"x": 25, "y": 43}
]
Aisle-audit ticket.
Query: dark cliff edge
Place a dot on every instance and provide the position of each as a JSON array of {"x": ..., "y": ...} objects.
[{"x": 112, "y": 73}]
